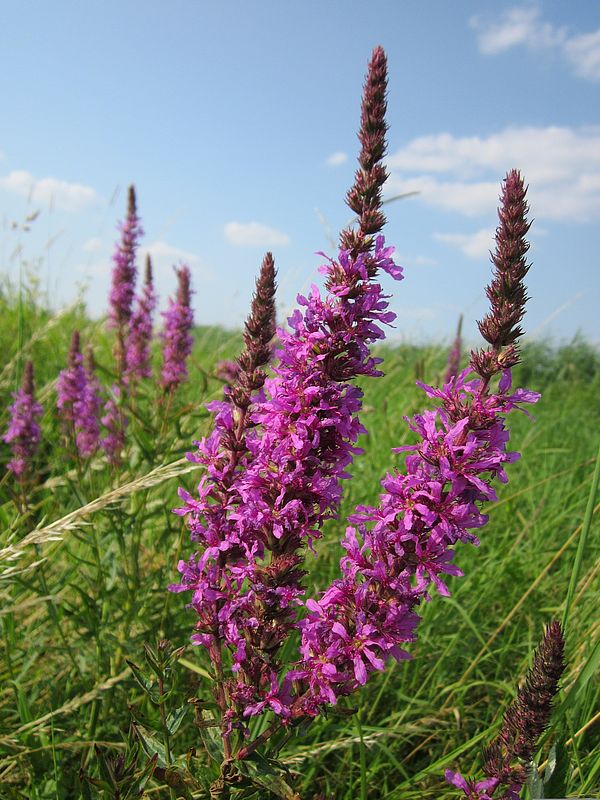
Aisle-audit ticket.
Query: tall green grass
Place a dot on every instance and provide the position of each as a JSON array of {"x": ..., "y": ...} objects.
[{"x": 84, "y": 594}]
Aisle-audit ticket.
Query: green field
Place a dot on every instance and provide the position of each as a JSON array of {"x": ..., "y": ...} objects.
[{"x": 87, "y": 589}]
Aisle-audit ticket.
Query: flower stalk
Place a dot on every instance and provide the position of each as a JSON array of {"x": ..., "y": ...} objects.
[
  {"x": 24, "y": 433},
  {"x": 508, "y": 757},
  {"x": 123, "y": 281},
  {"x": 137, "y": 353},
  {"x": 176, "y": 335}
]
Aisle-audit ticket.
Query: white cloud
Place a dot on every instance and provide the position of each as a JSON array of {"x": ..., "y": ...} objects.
[
  {"x": 164, "y": 256},
  {"x": 474, "y": 245},
  {"x": 49, "y": 191},
  {"x": 414, "y": 261},
  {"x": 524, "y": 26},
  {"x": 255, "y": 234},
  {"x": 336, "y": 159},
  {"x": 93, "y": 245},
  {"x": 463, "y": 174},
  {"x": 584, "y": 54}
]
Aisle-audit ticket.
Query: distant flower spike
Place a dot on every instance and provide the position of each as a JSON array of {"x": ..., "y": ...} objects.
[
  {"x": 78, "y": 401},
  {"x": 88, "y": 425},
  {"x": 137, "y": 356},
  {"x": 177, "y": 334},
  {"x": 454, "y": 356},
  {"x": 123, "y": 279},
  {"x": 115, "y": 422},
  {"x": 70, "y": 385},
  {"x": 24, "y": 434}
]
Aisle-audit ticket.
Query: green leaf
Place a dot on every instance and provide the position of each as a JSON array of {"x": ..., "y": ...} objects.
[
  {"x": 269, "y": 774},
  {"x": 151, "y": 745},
  {"x": 556, "y": 773},
  {"x": 176, "y": 717},
  {"x": 153, "y": 662},
  {"x": 213, "y": 744},
  {"x": 147, "y": 685},
  {"x": 535, "y": 784}
]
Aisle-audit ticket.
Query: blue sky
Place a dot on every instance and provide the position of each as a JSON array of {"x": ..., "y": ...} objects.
[{"x": 237, "y": 123}]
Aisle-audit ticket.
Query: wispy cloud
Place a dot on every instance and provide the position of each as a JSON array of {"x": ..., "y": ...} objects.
[
  {"x": 93, "y": 245},
  {"x": 336, "y": 159},
  {"x": 164, "y": 256},
  {"x": 524, "y": 27},
  {"x": 49, "y": 191},
  {"x": 474, "y": 245},
  {"x": 462, "y": 174},
  {"x": 255, "y": 234}
]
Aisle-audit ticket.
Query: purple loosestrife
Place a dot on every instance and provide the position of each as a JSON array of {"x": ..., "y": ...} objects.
[
  {"x": 176, "y": 335},
  {"x": 526, "y": 719},
  {"x": 23, "y": 434},
  {"x": 246, "y": 578},
  {"x": 88, "y": 427},
  {"x": 78, "y": 401},
  {"x": 454, "y": 356},
  {"x": 123, "y": 279},
  {"x": 507, "y": 293},
  {"x": 400, "y": 549},
  {"x": 115, "y": 422},
  {"x": 70, "y": 385},
  {"x": 137, "y": 354},
  {"x": 227, "y": 371}
]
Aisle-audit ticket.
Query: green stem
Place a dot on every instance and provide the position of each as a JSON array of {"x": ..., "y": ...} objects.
[{"x": 363, "y": 760}]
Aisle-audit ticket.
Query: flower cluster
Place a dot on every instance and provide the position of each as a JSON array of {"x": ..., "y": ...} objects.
[
  {"x": 23, "y": 434},
  {"x": 78, "y": 400},
  {"x": 289, "y": 483},
  {"x": 176, "y": 335},
  {"x": 137, "y": 353}
]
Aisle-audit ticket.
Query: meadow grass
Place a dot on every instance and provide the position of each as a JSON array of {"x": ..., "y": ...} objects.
[{"x": 84, "y": 571}]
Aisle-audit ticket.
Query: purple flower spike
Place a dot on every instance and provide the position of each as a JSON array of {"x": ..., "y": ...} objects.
[
  {"x": 70, "y": 385},
  {"x": 137, "y": 354},
  {"x": 115, "y": 422},
  {"x": 88, "y": 411},
  {"x": 23, "y": 434},
  {"x": 124, "y": 270},
  {"x": 123, "y": 279},
  {"x": 269, "y": 489},
  {"x": 454, "y": 356},
  {"x": 400, "y": 549},
  {"x": 176, "y": 335},
  {"x": 506, "y": 292},
  {"x": 79, "y": 401},
  {"x": 526, "y": 719}
]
